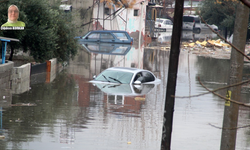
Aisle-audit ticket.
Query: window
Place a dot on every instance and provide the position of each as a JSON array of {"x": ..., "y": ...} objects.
[
  {"x": 148, "y": 76},
  {"x": 168, "y": 22},
  {"x": 94, "y": 36},
  {"x": 120, "y": 50},
  {"x": 136, "y": 12},
  {"x": 107, "y": 11},
  {"x": 121, "y": 36},
  {"x": 106, "y": 36},
  {"x": 144, "y": 77}
]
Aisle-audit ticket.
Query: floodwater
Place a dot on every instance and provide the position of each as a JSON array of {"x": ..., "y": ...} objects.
[{"x": 70, "y": 113}]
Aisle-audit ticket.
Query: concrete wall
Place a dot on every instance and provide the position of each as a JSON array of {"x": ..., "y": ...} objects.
[
  {"x": 18, "y": 79},
  {"x": 51, "y": 70},
  {"x": 5, "y": 83},
  {"x": 6, "y": 75},
  {"x": 21, "y": 79}
]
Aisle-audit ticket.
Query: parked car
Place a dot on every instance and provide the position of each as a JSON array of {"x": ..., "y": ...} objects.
[
  {"x": 204, "y": 26},
  {"x": 162, "y": 23},
  {"x": 107, "y": 36},
  {"x": 199, "y": 25},
  {"x": 124, "y": 75},
  {"x": 107, "y": 48},
  {"x": 188, "y": 22}
]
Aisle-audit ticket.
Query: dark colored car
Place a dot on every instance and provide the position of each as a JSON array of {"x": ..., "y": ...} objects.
[{"x": 107, "y": 36}]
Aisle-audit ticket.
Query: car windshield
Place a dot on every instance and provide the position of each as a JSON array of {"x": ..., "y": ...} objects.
[
  {"x": 121, "y": 36},
  {"x": 115, "y": 76},
  {"x": 158, "y": 20}
]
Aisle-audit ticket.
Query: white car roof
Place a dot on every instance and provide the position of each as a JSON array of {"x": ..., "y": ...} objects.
[{"x": 126, "y": 69}]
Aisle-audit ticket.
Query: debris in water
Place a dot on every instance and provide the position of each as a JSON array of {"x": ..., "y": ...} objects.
[
  {"x": 18, "y": 120},
  {"x": 23, "y": 104}
]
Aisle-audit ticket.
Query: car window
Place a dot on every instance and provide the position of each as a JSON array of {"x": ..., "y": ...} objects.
[
  {"x": 147, "y": 77},
  {"x": 94, "y": 36},
  {"x": 137, "y": 76},
  {"x": 144, "y": 77},
  {"x": 197, "y": 20},
  {"x": 159, "y": 21},
  {"x": 121, "y": 36},
  {"x": 106, "y": 36},
  {"x": 169, "y": 22},
  {"x": 188, "y": 19},
  {"x": 120, "y": 50},
  {"x": 106, "y": 48},
  {"x": 93, "y": 47}
]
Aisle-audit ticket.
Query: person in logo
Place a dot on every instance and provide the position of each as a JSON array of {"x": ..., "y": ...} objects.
[{"x": 13, "y": 14}]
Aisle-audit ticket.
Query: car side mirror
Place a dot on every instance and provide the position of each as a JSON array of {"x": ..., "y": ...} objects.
[
  {"x": 94, "y": 76},
  {"x": 137, "y": 82}
]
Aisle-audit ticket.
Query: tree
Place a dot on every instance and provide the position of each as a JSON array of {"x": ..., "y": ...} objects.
[
  {"x": 48, "y": 33},
  {"x": 219, "y": 12}
]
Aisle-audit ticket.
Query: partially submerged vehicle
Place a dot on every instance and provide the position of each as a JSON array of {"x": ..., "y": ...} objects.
[
  {"x": 124, "y": 75},
  {"x": 125, "y": 89}
]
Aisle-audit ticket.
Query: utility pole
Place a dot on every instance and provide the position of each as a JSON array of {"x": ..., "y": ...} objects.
[
  {"x": 230, "y": 121},
  {"x": 172, "y": 76}
]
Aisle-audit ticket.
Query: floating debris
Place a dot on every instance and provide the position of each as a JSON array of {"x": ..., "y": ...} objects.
[
  {"x": 23, "y": 104},
  {"x": 140, "y": 98},
  {"x": 18, "y": 120}
]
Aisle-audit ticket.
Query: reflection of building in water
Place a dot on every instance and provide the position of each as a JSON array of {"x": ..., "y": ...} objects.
[
  {"x": 67, "y": 134},
  {"x": 124, "y": 104}
]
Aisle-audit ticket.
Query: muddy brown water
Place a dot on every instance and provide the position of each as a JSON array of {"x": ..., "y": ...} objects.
[{"x": 71, "y": 113}]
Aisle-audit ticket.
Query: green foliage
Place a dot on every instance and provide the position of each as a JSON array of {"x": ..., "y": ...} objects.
[
  {"x": 48, "y": 33},
  {"x": 221, "y": 13}
]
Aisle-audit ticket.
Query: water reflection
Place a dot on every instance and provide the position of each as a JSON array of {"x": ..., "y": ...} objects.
[
  {"x": 107, "y": 48},
  {"x": 186, "y": 35}
]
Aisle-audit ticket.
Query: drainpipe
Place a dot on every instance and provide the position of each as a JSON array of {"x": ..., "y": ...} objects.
[
  {"x": 140, "y": 26},
  {"x": 141, "y": 20}
]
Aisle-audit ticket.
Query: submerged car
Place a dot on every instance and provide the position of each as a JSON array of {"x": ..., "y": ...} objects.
[
  {"x": 124, "y": 75},
  {"x": 125, "y": 89},
  {"x": 107, "y": 36}
]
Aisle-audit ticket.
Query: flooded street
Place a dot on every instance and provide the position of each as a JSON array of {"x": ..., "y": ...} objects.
[{"x": 71, "y": 113}]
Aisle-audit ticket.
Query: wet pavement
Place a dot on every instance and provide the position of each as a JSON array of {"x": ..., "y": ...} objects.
[{"x": 70, "y": 113}]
